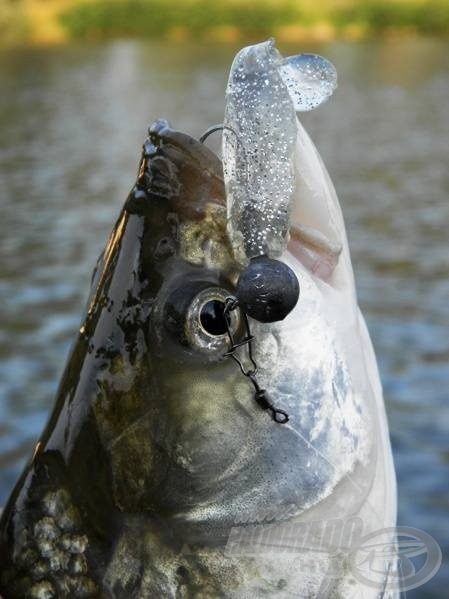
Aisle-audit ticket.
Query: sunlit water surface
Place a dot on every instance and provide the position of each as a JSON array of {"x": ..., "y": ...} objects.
[{"x": 71, "y": 124}]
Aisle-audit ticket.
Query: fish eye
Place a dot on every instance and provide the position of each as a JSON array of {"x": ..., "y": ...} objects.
[
  {"x": 205, "y": 325},
  {"x": 194, "y": 317},
  {"x": 212, "y": 317}
]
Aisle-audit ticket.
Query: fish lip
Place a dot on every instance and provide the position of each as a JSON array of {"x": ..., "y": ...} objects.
[
  {"x": 161, "y": 134},
  {"x": 179, "y": 170},
  {"x": 159, "y": 128}
]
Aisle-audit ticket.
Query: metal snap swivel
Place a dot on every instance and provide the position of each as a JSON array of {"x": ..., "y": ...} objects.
[{"x": 260, "y": 395}]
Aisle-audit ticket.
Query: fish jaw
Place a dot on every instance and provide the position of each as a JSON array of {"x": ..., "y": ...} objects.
[
  {"x": 326, "y": 346},
  {"x": 318, "y": 365}
]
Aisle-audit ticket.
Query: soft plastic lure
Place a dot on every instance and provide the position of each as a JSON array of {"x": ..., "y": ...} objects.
[{"x": 260, "y": 131}]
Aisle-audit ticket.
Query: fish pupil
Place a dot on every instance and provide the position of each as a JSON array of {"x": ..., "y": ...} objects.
[{"x": 212, "y": 318}]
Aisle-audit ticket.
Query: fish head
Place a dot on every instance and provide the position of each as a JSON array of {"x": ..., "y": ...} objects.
[
  {"x": 171, "y": 410},
  {"x": 178, "y": 420}
]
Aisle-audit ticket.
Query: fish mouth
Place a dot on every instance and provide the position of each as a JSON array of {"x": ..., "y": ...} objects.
[
  {"x": 175, "y": 166},
  {"x": 317, "y": 234},
  {"x": 186, "y": 165}
]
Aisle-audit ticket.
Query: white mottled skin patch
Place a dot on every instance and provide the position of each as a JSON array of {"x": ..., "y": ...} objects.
[{"x": 53, "y": 554}]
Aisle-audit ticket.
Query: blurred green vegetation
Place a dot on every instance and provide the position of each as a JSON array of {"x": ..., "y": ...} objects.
[
  {"x": 49, "y": 21},
  {"x": 426, "y": 17},
  {"x": 160, "y": 17}
]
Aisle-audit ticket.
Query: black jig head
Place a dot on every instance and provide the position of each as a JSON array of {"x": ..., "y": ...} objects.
[{"x": 267, "y": 290}]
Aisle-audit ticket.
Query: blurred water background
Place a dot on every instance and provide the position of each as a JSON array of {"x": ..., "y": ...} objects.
[{"x": 72, "y": 120}]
